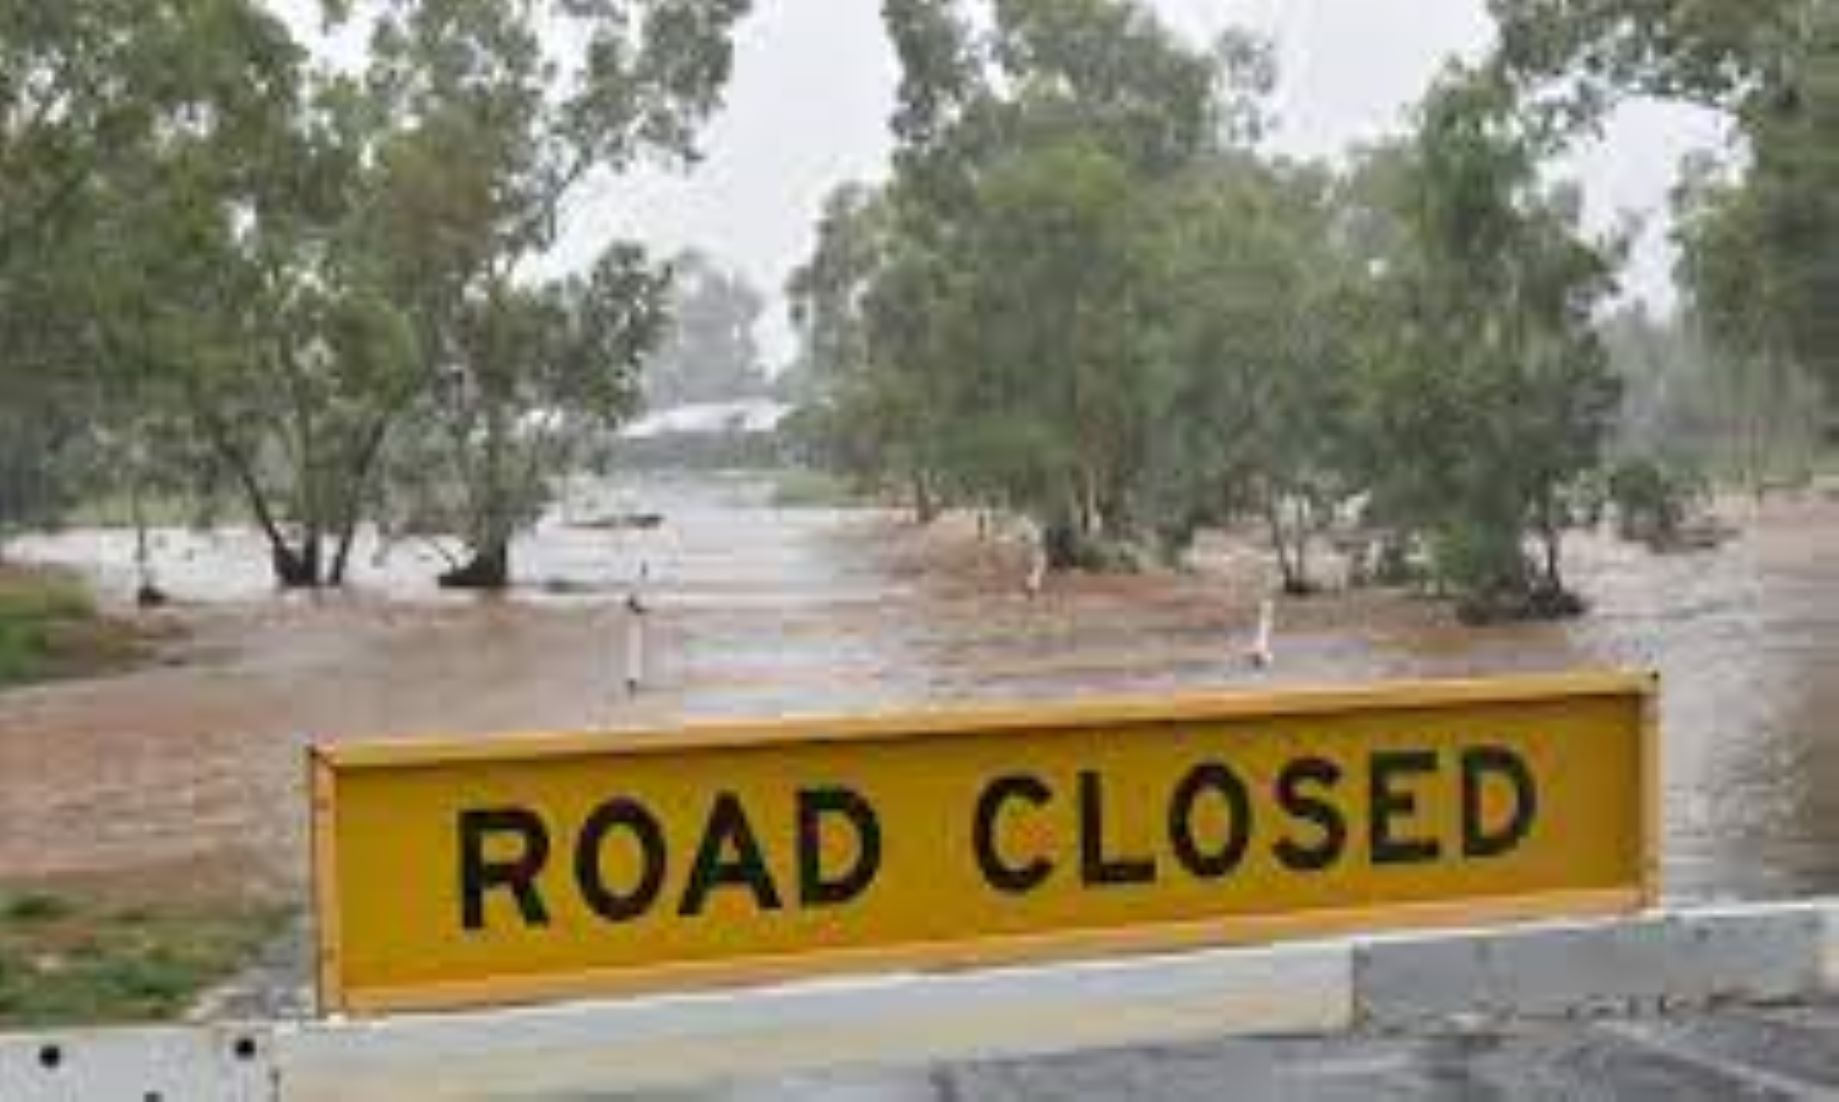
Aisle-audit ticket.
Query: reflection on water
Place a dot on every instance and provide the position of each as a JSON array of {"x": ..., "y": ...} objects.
[{"x": 761, "y": 611}]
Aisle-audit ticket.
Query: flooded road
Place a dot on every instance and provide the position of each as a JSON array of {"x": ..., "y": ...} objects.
[{"x": 185, "y": 776}]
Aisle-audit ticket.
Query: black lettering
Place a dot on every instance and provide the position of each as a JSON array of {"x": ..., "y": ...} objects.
[
  {"x": 478, "y": 875},
  {"x": 1477, "y": 765},
  {"x": 728, "y": 823},
  {"x": 1388, "y": 802},
  {"x": 632, "y": 817},
  {"x": 1202, "y": 779},
  {"x": 1301, "y": 804},
  {"x": 814, "y": 887},
  {"x": 1004, "y": 877},
  {"x": 1095, "y": 868}
]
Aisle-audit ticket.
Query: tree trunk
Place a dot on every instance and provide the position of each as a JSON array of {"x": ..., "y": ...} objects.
[
  {"x": 925, "y": 505},
  {"x": 143, "y": 548},
  {"x": 341, "y": 557},
  {"x": 295, "y": 569},
  {"x": 1088, "y": 505},
  {"x": 1551, "y": 538},
  {"x": 292, "y": 569},
  {"x": 1062, "y": 544},
  {"x": 1554, "y": 581},
  {"x": 489, "y": 568},
  {"x": 1290, "y": 563},
  {"x": 147, "y": 594},
  {"x": 354, "y": 498}
]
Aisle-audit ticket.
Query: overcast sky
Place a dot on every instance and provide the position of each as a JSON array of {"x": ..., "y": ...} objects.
[{"x": 814, "y": 83}]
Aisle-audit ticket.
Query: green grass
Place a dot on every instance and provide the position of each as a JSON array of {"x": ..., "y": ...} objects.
[
  {"x": 49, "y": 628},
  {"x": 66, "y": 961}
]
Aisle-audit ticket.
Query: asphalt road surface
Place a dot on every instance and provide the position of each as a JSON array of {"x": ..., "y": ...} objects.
[{"x": 1738, "y": 1053}]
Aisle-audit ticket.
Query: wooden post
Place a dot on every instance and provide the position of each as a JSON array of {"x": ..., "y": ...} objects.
[
  {"x": 635, "y": 643},
  {"x": 635, "y": 634}
]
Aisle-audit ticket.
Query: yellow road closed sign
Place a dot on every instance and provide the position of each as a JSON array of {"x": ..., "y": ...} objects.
[{"x": 462, "y": 872}]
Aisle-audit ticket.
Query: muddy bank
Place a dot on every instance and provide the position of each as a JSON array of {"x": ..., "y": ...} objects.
[{"x": 186, "y": 779}]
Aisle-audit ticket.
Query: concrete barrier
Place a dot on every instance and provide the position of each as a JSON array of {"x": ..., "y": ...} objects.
[
  {"x": 216, "y": 1063},
  {"x": 1657, "y": 963},
  {"x": 1662, "y": 962}
]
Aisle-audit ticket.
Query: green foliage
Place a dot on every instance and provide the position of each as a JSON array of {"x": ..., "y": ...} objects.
[
  {"x": 1254, "y": 322},
  {"x": 1597, "y": 52},
  {"x": 708, "y": 353},
  {"x": 49, "y": 626},
  {"x": 217, "y": 255},
  {"x": 66, "y": 960},
  {"x": 37, "y": 480},
  {"x": 1700, "y": 404},
  {"x": 1651, "y": 501},
  {"x": 35, "y": 907},
  {"x": 110, "y": 111},
  {"x": 1088, "y": 297},
  {"x": 976, "y": 329},
  {"x": 1488, "y": 391},
  {"x": 1762, "y": 242},
  {"x": 491, "y": 116}
]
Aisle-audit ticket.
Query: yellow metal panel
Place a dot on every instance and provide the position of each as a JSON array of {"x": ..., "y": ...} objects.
[{"x": 1116, "y": 827}]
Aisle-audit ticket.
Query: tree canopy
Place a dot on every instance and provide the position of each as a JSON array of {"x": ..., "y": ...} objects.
[{"x": 1089, "y": 295}]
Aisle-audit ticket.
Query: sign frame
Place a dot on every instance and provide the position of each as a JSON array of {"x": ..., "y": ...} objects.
[{"x": 327, "y": 760}]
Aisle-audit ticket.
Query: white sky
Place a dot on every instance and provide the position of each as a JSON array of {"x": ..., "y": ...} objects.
[{"x": 814, "y": 85}]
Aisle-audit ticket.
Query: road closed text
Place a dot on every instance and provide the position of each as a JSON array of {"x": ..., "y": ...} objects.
[
  {"x": 460, "y": 872},
  {"x": 1026, "y": 830}
]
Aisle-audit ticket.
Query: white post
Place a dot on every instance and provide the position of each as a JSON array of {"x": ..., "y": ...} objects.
[
  {"x": 1037, "y": 568},
  {"x": 1260, "y": 655}
]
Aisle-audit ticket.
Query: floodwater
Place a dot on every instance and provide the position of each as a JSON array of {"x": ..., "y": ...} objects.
[{"x": 185, "y": 776}]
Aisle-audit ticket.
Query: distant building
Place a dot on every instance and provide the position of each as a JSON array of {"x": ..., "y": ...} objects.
[
  {"x": 741, "y": 433},
  {"x": 748, "y": 417}
]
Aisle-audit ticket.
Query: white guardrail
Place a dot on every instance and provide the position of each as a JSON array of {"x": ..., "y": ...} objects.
[{"x": 1665, "y": 961}]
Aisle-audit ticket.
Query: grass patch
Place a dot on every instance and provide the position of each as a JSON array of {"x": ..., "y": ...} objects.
[
  {"x": 49, "y": 628},
  {"x": 67, "y": 961},
  {"x": 35, "y": 907}
]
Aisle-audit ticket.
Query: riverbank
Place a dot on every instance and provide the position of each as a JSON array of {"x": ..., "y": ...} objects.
[{"x": 50, "y": 629}]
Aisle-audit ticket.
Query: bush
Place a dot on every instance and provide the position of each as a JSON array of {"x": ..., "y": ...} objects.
[
  {"x": 35, "y": 907},
  {"x": 1652, "y": 501},
  {"x": 49, "y": 627}
]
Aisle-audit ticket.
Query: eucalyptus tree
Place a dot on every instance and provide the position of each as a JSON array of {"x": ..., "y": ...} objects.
[
  {"x": 494, "y": 116},
  {"x": 1257, "y": 315},
  {"x": 1005, "y": 322},
  {"x": 102, "y": 103},
  {"x": 1769, "y": 67},
  {"x": 1486, "y": 391},
  {"x": 709, "y": 352}
]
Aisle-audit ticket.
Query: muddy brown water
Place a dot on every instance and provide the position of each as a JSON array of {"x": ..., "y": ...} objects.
[{"x": 184, "y": 777}]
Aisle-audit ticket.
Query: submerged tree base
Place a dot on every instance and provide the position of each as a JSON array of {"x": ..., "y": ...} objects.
[
  {"x": 1068, "y": 550},
  {"x": 489, "y": 569},
  {"x": 1300, "y": 588},
  {"x": 1507, "y": 607},
  {"x": 294, "y": 570}
]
